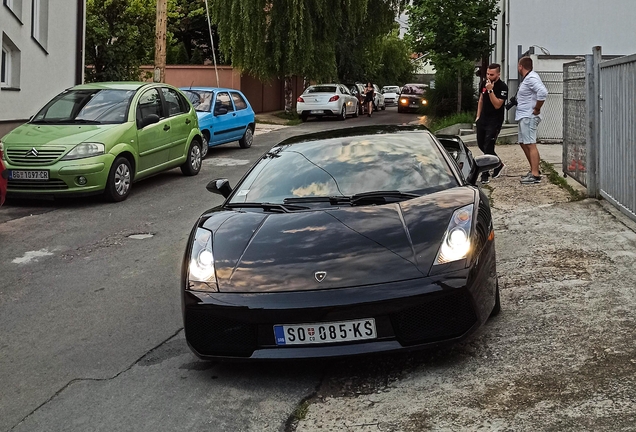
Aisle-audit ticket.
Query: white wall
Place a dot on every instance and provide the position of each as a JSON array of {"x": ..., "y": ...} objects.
[
  {"x": 571, "y": 27},
  {"x": 42, "y": 76}
]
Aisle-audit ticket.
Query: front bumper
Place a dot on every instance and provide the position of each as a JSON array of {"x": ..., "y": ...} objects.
[
  {"x": 63, "y": 178},
  {"x": 409, "y": 314}
]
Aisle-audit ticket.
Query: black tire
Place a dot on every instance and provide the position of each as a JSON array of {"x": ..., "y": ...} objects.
[
  {"x": 248, "y": 137},
  {"x": 383, "y": 107},
  {"x": 361, "y": 109},
  {"x": 304, "y": 117},
  {"x": 497, "y": 308},
  {"x": 357, "y": 113},
  {"x": 119, "y": 180},
  {"x": 206, "y": 144},
  {"x": 192, "y": 165},
  {"x": 343, "y": 114}
]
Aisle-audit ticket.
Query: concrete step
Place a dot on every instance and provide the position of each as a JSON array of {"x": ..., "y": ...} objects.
[{"x": 463, "y": 132}]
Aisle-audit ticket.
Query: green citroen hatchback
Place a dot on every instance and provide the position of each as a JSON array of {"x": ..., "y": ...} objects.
[{"x": 100, "y": 138}]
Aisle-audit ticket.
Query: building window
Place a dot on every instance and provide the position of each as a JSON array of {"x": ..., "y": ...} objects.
[
  {"x": 15, "y": 6},
  {"x": 40, "y": 22},
  {"x": 9, "y": 64}
]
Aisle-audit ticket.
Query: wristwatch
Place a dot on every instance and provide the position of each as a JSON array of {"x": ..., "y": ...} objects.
[{"x": 489, "y": 91}]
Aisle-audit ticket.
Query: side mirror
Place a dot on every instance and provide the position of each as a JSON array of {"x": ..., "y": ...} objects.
[
  {"x": 220, "y": 186},
  {"x": 220, "y": 111},
  {"x": 482, "y": 163},
  {"x": 150, "y": 119}
]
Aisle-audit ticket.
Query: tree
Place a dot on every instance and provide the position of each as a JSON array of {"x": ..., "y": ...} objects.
[
  {"x": 118, "y": 36},
  {"x": 452, "y": 34},
  {"x": 282, "y": 38}
]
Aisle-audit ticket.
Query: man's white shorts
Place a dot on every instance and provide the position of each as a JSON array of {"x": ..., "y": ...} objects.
[{"x": 528, "y": 129}]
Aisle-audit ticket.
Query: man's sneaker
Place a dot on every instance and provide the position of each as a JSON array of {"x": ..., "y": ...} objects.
[
  {"x": 531, "y": 180},
  {"x": 485, "y": 180},
  {"x": 498, "y": 172},
  {"x": 529, "y": 174}
]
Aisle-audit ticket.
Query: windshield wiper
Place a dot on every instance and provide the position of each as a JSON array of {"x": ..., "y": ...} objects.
[
  {"x": 84, "y": 121},
  {"x": 375, "y": 196},
  {"x": 284, "y": 208},
  {"x": 381, "y": 196}
]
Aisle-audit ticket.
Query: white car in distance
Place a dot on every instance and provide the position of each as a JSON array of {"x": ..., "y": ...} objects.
[
  {"x": 391, "y": 94},
  {"x": 327, "y": 100}
]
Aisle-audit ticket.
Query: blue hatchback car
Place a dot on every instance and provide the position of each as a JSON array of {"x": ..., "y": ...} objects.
[{"x": 225, "y": 115}]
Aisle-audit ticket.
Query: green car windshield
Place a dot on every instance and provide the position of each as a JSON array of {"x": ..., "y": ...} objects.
[{"x": 95, "y": 106}]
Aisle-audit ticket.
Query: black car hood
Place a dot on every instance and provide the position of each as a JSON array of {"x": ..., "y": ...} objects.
[{"x": 354, "y": 246}]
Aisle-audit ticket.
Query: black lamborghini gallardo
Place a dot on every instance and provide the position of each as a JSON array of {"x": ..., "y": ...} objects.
[{"x": 344, "y": 242}]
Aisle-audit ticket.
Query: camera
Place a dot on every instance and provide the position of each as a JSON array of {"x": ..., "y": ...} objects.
[{"x": 512, "y": 102}]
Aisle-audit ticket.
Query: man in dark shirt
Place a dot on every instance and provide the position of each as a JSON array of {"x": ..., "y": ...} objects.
[{"x": 490, "y": 115}]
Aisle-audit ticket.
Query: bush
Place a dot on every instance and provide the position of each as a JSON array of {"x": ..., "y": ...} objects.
[{"x": 442, "y": 100}]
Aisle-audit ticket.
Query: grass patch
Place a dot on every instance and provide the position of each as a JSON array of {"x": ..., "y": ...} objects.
[
  {"x": 292, "y": 117},
  {"x": 301, "y": 411},
  {"x": 489, "y": 190},
  {"x": 442, "y": 122},
  {"x": 554, "y": 178}
]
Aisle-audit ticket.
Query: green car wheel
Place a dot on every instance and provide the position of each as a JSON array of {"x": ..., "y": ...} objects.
[{"x": 119, "y": 180}]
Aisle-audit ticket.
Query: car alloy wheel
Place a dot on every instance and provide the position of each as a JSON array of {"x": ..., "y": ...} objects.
[
  {"x": 193, "y": 162},
  {"x": 247, "y": 139},
  {"x": 119, "y": 180}
]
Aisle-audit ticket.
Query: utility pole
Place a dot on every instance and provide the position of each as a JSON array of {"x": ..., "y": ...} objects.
[{"x": 160, "y": 41}]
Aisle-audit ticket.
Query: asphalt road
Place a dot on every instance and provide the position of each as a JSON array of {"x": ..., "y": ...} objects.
[{"x": 91, "y": 324}]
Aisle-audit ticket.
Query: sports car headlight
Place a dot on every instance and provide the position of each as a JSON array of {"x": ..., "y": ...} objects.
[
  {"x": 85, "y": 150},
  {"x": 456, "y": 242},
  {"x": 201, "y": 273}
]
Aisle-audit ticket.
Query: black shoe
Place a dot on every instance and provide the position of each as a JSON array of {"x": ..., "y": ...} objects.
[
  {"x": 485, "y": 180},
  {"x": 498, "y": 172}
]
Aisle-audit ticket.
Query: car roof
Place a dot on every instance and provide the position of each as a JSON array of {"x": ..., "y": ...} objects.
[
  {"x": 210, "y": 89},
  {"x": 114, "y": 85},
  {"x": 352, "y": 132}
]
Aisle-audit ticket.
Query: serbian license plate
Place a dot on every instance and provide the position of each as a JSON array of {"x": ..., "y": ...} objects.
[
  {"x": 342, "y": 331},
  {"x": 317, "y": 112},
  {"x": 28, "y": 175}
]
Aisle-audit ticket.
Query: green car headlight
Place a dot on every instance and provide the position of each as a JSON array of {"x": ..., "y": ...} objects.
[{"x": 85, "y": 150}]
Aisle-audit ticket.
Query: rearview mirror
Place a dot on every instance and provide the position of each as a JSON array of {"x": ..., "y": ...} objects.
[
  {"x": 220, "y": 186},
  {"x": 482, "y": 164},
  {"x": 148, "y": 120}
]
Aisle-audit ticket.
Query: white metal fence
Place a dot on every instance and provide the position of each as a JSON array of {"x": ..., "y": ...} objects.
[
  {"x": 617, "y": 144},
  {"x": 551, "y": 127},
  {"x": 599, "y": 128}
]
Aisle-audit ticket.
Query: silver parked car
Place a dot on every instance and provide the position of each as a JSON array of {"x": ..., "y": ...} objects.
[
  {"x": 327, "y": 100},
  {"x": 378, "y": 99},
  {"x": 391, "y": 94}
]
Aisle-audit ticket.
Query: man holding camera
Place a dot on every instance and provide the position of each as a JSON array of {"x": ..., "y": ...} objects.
[
  {"x": 530, "y": 98},
  {"x": 490, "y": 115}
]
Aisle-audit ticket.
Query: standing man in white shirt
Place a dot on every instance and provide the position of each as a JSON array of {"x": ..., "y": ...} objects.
[{"x": 530, "y": 98}]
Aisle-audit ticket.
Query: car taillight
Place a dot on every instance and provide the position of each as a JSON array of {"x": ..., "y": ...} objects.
[
  {"x": 300, "y": 99},
  {"x": 334, "y": 98}
]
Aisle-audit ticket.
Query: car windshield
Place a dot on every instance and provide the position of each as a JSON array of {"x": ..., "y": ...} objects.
[
  {"x": 201, "y": 100},
  {"x": 94, "y": 106},
  {"x": 405, "y": 162},
  {"x": 321, "y": 89},
  {"x": 390, "y": 89},
  {"x": 414, "y": 90}
]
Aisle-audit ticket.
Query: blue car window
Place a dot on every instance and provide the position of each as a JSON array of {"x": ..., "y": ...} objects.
[
  {"x": 239, "y": 102},
  {"x": 223, "y": 100}
]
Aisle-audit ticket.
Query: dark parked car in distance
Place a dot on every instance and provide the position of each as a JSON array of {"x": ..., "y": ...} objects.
[
  {"x": 412, "y": 98},
  {"x": 338, "y": 243}
]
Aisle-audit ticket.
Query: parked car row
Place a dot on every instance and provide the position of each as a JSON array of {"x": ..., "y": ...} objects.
[
  {"x": 101, "y": 138},
  {"x": 340, "y": 100}
]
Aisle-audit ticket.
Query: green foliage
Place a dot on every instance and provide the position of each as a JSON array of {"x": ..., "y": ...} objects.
[
  {"x": 443, "y": 98},
  {"x": 317, "y": 39},
  {"x": 197, "y": 58},
  {"x": 118, "y": 36},
  {"x": 450, "y": 120},
  {"x": 452, "y": 34},
  {"x": 177, "y": 54}
]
